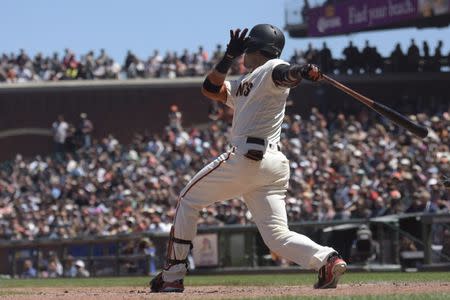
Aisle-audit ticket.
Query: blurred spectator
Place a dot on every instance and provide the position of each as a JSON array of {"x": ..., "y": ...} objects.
[
  {"x": 52, "y": 271},
  {"x": 371, "y": 59},
  {"x": 360, "y": 210},
  {"x": 28, "y": 270},
  {"x": 57, "y": 267},
  {"x": 89, "y": 65},
  {"x": 203, "y": 53},
  {"x": 158, "y": 225},
  {"x": 69, "y": 267},
  {"x": 146, "y": 247},
  {"x": 427, "y": 65},
  {"x": 23, "y": 74},
  {"x": 130, "y": 65},
  {"x": 175, "y": 117},
  {"x": 103, "y": 57},
  {"x": 437, "y": 57},
  {"x": 398, "y": 59},
  {"x": 85, "y": 130},
  {"x": 407, "y": 244},
  {"x": 295, "y": 57},
  {"x": 311, "y": 54},
  {"x": 364, "y": 248},
  {"x": 367, "y": 58},
  {"x": 154, "y": 64},
  {"x": 410, "y": 257},
  {"x": 60, "y": 132},
  {"x": 22, "y": 58},
  {"x": 298, "y": 58},
  {"x": 352, "y": 59},
  {"x": 216, "y": 111},
  {"x": 379, "y": 207},
  {"x": 413, "y": 57},
  {"x": 217, "y": 55},
  {"x": 81, "y": 270},
  {"x": 327, "y": 212},
  {"x": 326, "y": 59},
  {"x": 422, "y": 203}
]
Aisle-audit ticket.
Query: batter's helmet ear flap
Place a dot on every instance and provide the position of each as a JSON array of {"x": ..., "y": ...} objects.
[
  {"x": 266, "y": 38},
  {"x": 269, "y": 55}
]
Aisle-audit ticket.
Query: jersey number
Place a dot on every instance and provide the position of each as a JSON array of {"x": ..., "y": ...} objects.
[{"x": 244, "y": 89}]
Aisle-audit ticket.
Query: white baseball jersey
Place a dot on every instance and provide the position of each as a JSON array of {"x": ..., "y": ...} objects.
[
  {"x": 258, "y": 104},
  {"x": 258, "y": 112}
]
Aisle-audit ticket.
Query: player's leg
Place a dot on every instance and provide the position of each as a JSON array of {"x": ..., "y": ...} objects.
[
  {"x": 218, "y": 181},
  {"x": 267, "y": 206}
]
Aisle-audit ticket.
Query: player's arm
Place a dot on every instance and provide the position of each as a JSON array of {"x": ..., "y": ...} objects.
[
  {"x": 214, "y": 85},
  {"x": 291, "y": 75}
]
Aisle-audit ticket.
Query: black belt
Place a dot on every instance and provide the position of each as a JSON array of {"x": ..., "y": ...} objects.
[
  {"x": 253, "y": 140},
  {"x": 258, "y": 141}
]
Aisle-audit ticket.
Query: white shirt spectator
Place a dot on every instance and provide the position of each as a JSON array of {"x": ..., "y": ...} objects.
[
  {"x": 60, "y": 131},
  {"x": 159, "y": 226},
  {"x": 24, "y": 75}
]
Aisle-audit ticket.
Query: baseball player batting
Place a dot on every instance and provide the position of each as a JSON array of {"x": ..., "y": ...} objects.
[{"x": 255, "y": 168}]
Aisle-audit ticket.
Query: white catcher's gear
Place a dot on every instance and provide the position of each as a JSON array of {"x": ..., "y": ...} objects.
[{"x": 259, "y": 107}]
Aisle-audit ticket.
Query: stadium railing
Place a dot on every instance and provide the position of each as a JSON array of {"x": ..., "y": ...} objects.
[{"x": 408, "y": 241}]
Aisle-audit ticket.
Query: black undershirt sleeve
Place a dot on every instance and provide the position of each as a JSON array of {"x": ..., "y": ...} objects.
[{"x": 280, "y": 76}]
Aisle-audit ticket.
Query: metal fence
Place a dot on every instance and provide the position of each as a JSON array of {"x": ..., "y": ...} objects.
[{"x": 413, "y": 240}]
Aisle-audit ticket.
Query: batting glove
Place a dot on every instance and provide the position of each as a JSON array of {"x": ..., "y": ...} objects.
[
  {"x": 235, "y": 47},
  {"x": 310, "y": 72}
]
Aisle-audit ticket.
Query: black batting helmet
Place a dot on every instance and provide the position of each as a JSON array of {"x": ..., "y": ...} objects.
[{"x": 266, "y": 38}]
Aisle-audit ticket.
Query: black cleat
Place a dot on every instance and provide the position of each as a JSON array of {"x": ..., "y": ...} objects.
[{"x": 158, "y": 285}]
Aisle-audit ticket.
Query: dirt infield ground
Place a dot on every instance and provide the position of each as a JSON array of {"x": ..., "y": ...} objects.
[{"x": 226, "y": 292}]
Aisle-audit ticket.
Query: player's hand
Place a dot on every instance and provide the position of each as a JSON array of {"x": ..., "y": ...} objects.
[
  {"x": 235, "y": 47},
  {"x": 310, "y": 72}
]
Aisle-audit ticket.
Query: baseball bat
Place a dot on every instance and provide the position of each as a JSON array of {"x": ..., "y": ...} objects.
[{"x": 383, "y": 110}]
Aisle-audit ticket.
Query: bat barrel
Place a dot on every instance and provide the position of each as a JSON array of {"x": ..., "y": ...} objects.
[
  {"x": 400, "y": 120},
  {"x": 383, "y": 110}
]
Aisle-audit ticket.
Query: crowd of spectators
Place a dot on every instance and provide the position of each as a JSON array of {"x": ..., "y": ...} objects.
[
  {"x": 368, "y": 60},
  {"x": 22, "y": 68},
  {"x": 51, "y": 267},
  {"x": 342, "y": 167}
]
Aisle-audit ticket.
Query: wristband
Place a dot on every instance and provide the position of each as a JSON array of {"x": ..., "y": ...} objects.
[
  {"x": 224, "y": 65},
  {"x": 211, "y": 87}
]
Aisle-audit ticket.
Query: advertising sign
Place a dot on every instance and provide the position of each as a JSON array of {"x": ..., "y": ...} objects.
[{"x": 356, "y": 15}]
